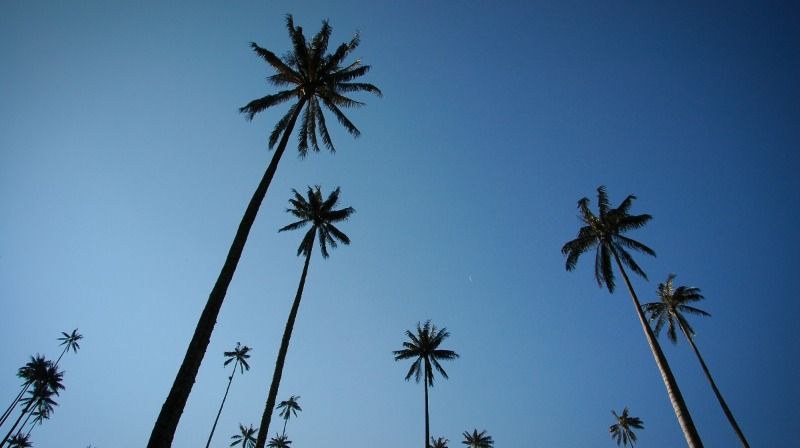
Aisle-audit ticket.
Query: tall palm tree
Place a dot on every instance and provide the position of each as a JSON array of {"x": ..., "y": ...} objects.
[
  {"x": 477, "y": 439},
  {"x": 239, "y": 357},
  {"x": 69, "y": 341},
  {"x": 246, "y": 437},
  {"x": 289, "y": 407},
  {"x": 33, "y": 371},
  {"x": 440, "y": 442},
  {"x": 19, "y": 441},
  {"x": 622, "y": 430},
  {"x": 41, "y": 396},
  {"x": 279, "y": 442},
  {"x": 423, "y": 347},
  {"x": 321, "y": 216},
  {"x": 314, "y": 77},
  {"x": 671, "y": 310},
  {"x": 604, "y": 232}
]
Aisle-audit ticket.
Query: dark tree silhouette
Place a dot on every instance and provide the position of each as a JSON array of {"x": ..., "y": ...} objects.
[
  {"x": 19, "y": 441},
  {"x": 604, "y": 232},
  {"x": 440, "y": 442},
  {"x": 69, "y": 341},
  {"x": 423, "y": 347},
  {"x": 239, "y": 357},
  {"x": 622, "y": 430},
  {"x": 477, "y": 439},
  {"x": 289, "y": 407},
  {"x": 33, "y": 371},
  {"x": 315, "y": 78},
  {"x": 671, "y": 310},
  {"x": 44, "y": 388},
  {"x": 246, "y": 437},
  {"x": 321, "y": 216},
  {"x": 279, "y": 442}
]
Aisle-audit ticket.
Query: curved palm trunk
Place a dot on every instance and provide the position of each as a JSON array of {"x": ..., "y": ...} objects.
[
  {"x": 13, "y": 404},
  {"x": 284, "y": 426},
  {"x": 675, "y": 397},
  {"x": 11, "y": 431},
  {"x": 170, "y": 415},
  {"x": 427, "y": 420},
  {"x": 25, "y": 422},
  {"x": 263, "y": 429},
  {"x": 230, "y": 380},
  {"x": 717, "y": 393}
]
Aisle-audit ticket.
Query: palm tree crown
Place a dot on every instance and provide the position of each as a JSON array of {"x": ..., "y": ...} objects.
[
  {"x": 322, "y": 216},
  {"x": 246, "y": 437},
  {"x": 70, "y": 341},
  {"x": 670, "y": 310},
  {"x": 279, "y": 442},
  {"x": 478, "y": 439},
  {"x": 19, "y": 441},
  {"x": 288, "y": 408},
  {"x": 622, "y": 430},
  {"x": 313, "y": 77},
  {"x": 604, "y": 231},
  {"x": 239, "y": 356},
  {"x": 440, "y": 442},
  {"x": 424, "y": 348}
]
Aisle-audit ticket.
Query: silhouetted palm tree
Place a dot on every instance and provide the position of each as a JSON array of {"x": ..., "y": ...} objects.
[
  {"x": 670, "y": 311},
  {"x": 288, "y": 407},
  {"x": 33, "y": 371},
  {"x": 478, "y": 439},
  {"x": 246, "y": 437},
  {"x": 622, "y": 430},
  {"x": 239, "y": 357},
  {"x": 604, "y": 232},
  {"x": 321, "y": 216},
  {"x": 440, "y": 442},
  {"x": 19, "y": 441},
  {"x": 69, "y": 341},
  {"x": 43, "y": 389},
  {"x": 279, "y": 442},
  {"x": 423, "y": 347},
  {"x": 314, "y": 77}
]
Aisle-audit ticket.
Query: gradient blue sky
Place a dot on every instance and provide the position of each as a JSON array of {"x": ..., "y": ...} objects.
[{"x": 125, "y": 168}]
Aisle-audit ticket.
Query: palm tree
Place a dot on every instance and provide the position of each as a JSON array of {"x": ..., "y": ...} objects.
[
  {"x": 478, "y": 439},
  {"x": 604, "y": 232},
  {"x": 314, "y": 77},
  {"x": 41, "y": 396},
  {"x": 622, "y": 430},
  {"x": 279, "y": 442},
  {"x": 239, "y": 357},
  {"x": 289, "y": 407},
  {"x": 245, "y": 437},
  {"x": 423, "y": 347},
  {"x": 33, "y": 371},
  {"x": 69, "y": 341},
  {"x": 322, "y": 216},
  {"x": 670, "y": 311},
  {"x": 19, "y": 441},
  {"x": 440, "y": 442}
]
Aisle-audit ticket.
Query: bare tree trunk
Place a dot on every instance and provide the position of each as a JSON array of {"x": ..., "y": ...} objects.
[
  {"x": 13, "y": 404},
  {"x": 427, "y": 420},
  {"x": 230, "y": 380},
  {"x": 675, "y": 397},
  {"x": 24, "y": 411},
  {"x": 171, "y": 411}
]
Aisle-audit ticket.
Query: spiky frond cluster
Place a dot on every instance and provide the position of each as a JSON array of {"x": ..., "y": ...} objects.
[
  {"x": 672, "y": 307},
  {"x": 440, "y": 442},
  {"x": 320, "y": 213},
  {"x": 604, "y": 231},
  {"x": 34, "y": 370},
  {"x": 289, "y": 407},
  {"x": 239, "y": 356},
  {"x": 246, "y": 437},
  {"x": 47, "y": 384},
  {"x": 622, "y": 430},
  {"x": 19, "y": 441},
  {"x": 478, "y": 439},
  {"x": 424, "y": 347},
  {"x": 71, "y": 340},
  {"x": 314, "y": 78},
  {"x": 279, "y": 442}
]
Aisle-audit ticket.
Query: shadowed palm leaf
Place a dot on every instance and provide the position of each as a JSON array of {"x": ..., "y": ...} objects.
[
  {"x": 478, "y": 439},
  {"x": 19, "y": 441},
  {"x": 622, "y": 430},
  {"x": 279, "y": 442},
  {"x": 70, "y": 342},
  {"x": 440, "y": 442},
  {"x": 246, "y": 437},
  {"x": 288, "y": 408}
]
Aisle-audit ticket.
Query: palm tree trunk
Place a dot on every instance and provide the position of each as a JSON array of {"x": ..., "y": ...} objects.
[
  {"x": 13, "y": 404},
  {"x": 427, "y": 420},
  {"x": 11, "y": 431},
  {"x": 717, "y": 393},
  {"x": 285, "y": 421},
  {"x": 170, "y": 415},
  {"x": 61, "y": 355},
  {"x": 675, "y": 397},
  {"x": 230, "y": 380},
  {"x": 263, "y": 429},
  {"x": 25, "y": 422}
]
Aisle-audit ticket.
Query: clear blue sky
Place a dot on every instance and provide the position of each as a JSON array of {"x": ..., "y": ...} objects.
[{"x": 125, "y": 168}]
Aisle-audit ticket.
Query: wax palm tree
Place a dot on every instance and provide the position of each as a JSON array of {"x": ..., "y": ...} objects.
[
  {"x": 33, "y": 371},
  {"x": 671, "y": 311},
  {"x": 315, "y": 78},
  {"x": 440, "y": 442},
  {"x": 321, "y": 215},
  {"x": 279, "y": 442},
  {"x": 44, "y": 388},
  {"x": 239, "y": 357},
  {"x": 603, "y": 232},
  {"x": 69, "y": 341},
  {"x": 423, "y": 348},
  {"x": 289, "y": 407},
  {"x": 19, "y": 441},
  {"x": 478, "y": 439},
  {"x": 622, "y": 430},
  {"x": 246, "y": 437}
]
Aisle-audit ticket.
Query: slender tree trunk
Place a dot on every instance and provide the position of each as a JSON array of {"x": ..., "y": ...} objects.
[
  {"x": 22, "y": 414},
  {"x": 25, "y": 422},
  {"x": 13, "y": 404},
  {"x": 61, "y": 355},
  {"x": 170, "y": 415},
  {"x": 717, "y": 393},
  {"x": 284, "y": 426},
  {"x": 675, "y": 397},
  {"x": 263, "y": 429},
  {"x": 230, "y": 380},
  {"x": 427, "y": 420}
]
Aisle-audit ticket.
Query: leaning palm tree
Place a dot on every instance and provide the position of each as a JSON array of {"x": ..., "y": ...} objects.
[
  {"x": 321, "y": 216},
  {"x": 44, "y": 388},
  {"x": 239, "y": 357},
  {"x": 289, "y": 407},
  {"x": 440, "y": 442},
  {"x": 315, "y": 78},
  {"x": 477, "y": 439},
  {"x": 19, "y": 441},
  {"x": 423, "y": 348},
  {"x": 69, "y": 341},
  {"x": 279, "y": 442},
  {"x": 604, "y": 232},
  {"x": 33, "y": 371},
  {"x": 670, "y": 311},
  {"x": 246, "y": 437},
  {"x": 622, "y": 430}
]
